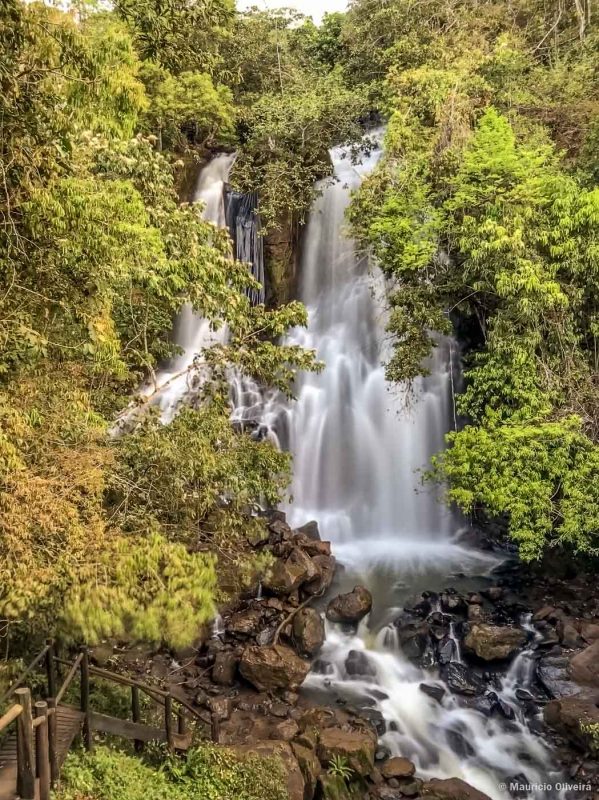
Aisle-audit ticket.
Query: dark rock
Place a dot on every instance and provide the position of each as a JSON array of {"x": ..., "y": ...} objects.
[
  {"x": 451, "y": 789},
  {"x": 453, "y": 603},
  {"x": 397, "y": 767},
  {"x": 308, "y": 631},
  {"x": 296, "y": 785},
  {"x": 433, "y": 690},
  {"x": 375, "y": 718},
  {"x": 309, "y": 766},
  {"x": 356, "y": 747},
  {"x": 289, "y": 574},
  {"x": 494, "y": 593},
  {"x": 245, "y": 623},
  {"x": 494, "y": 643},
  {"x": 570, "y": 715},
  {"x": 414, "y": 640},
  {"x": 568, "y": 635},
  {"x": 584, "y": 666},
  {"x": 225, "y": 668},
  {"x": 322, "y": 582},
  {"x": 357, "y": 665},
  {"x": 446, "y": 650},
  {"x": 500, "y": 707},
  {"x": 310, "y": 530},
  {"x": 350, "y": 607},
  {"x": 459, "y": 744},
  {"x": 462, "y": 680},
  {"x": 274, "y": 667}
]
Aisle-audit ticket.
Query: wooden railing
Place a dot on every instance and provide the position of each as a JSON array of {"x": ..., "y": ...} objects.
[{"x": 38, "y": 755}]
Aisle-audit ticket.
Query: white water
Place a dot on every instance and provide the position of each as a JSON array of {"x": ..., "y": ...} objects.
[
  {"x": 192, "y": 333},
  {"x": 357, "y": 444}
]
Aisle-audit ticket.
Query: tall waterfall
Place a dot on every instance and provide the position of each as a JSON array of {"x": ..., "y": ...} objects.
[{"x": 357, "y": 444}]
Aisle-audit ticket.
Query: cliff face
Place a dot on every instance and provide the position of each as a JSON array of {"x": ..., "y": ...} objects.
[{"x": 281, "y": 254}]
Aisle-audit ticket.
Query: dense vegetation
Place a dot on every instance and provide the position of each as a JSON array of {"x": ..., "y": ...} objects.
[
  {"x": 485, "y": 213},
  {"x": 207, "y": 773},
  {"x": 104, "y": 535}
]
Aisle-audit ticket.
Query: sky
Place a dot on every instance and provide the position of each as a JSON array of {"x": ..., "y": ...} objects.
[{"x": 315, "y": 8}]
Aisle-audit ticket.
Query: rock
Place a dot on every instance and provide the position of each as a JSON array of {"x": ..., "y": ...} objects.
[
  {"x": 245, "y": 623},
  {"x": 257, "y": 536},
  {"x": 332, "y": 787},
  {"x": 295, "y": 784},
  {"x": 309, "y": 766},
  {"x": 589, "y": 631},
  {"x": 289, "y": 574},
  {"x": 350, "y": 607},
  {"x": 584, "y": 666},
  {"x": 543, "y": 613},
  {"x": 225, "y": 668},
  {"x": 433, "y": 690},
  {"x": 273, "y": 667},
  {"x": 285, "y": 731},
  {"x": 376, "y": 719},
  {"x": 310, "y": 530},
  {"x": 475, "y": 613},
  {"x": 553, "y": 675},
  {"x": 568, "y": 714},
  {"x": 357, "y": 665},
  {"x": 397, "y": 767},
  {"x": 462, "y": 680},
  {"x": 568, "y": 635},
  {"x": 326, "y": 567},
  {"x": 356, "y": 747},
  {"x": 414, "y": 639},
  {"x": 446, "y": 650},
  {"x": 313, "y": 547},
  {"x": 459, "y": 744},
  {"x": 452, "y": 602},
  {"x": 221, "y": 707},
  {"x": 308, "y": 631},
  {"x": 494, "y": 643},
  {"x": 494, "y": 593},
  {"x": 451, "y": 789}
]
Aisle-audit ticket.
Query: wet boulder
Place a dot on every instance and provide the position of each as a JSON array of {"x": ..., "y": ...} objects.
[
  {"x": 569, "y": 716},
  {"x": 584, "y": 666},
  {"x": 357, "y": 747},
  {"x": 274, "y": 667},
  {"x": 245, "y": 623},
  {"x": 326, "y": 572},
  {"x": 358, "y": 665},
  {"x": 225, "y": 668},
  {"x": 451, "y": 789},
  {"x": 433, "y": 690},
  {"x": 310, "y": 530},
  {"x": 309, "y": 766},
  {"x": 462, "y": 680},
  {"x": 568, "y": 634},
  {"x": 494, "y": 642},
  {"x": 397, "y": 767},
  {"x": 295, "y": 783},
  {"x": 288, "y": 574},
  {"x": 446, "y": 650},
  {"x": 308, "y": 631},
  {"x": 350, "y": 607}
]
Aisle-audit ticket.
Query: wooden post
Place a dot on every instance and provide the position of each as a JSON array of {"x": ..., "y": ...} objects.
[
  {"x": 25, "y": 755},
  {"x": 181, "y": 721},
  {"x": 42, "y": 763},
  {"x": 214, "y": 726},
  {"x": 51, "y": 668},
  {"x": 85, "y": 704},
  {"x": 168, "y": 720},
  {"x": 53, "y": 741},
  {"x": 136, "y": 715}
]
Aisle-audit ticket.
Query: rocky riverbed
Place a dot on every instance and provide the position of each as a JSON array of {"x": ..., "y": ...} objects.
[{"x": 519, "y": 649}]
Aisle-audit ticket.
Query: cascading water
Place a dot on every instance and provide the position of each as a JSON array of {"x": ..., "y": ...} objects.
[
  {"x": 224, "y": 208},
  {"x": 357, "y": 444}
]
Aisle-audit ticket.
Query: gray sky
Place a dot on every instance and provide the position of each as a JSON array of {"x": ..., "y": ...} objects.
[{"x": 315, "y": 8}]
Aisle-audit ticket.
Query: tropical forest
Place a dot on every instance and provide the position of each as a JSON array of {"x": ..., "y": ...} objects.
[{"x": 299, "y": 400}]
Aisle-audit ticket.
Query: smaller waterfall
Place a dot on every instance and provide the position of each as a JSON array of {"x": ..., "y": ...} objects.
[{"x": 245, "y": 228}]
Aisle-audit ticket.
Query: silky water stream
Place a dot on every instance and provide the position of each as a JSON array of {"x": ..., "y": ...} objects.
[{"x": 358, "y": 444}]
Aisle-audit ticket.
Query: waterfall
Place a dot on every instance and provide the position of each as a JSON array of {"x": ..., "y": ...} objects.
[
  {"x": 224, "y": 208},
  {"x": 243, "y": 221},
  {"x": 357, "y": 444}
]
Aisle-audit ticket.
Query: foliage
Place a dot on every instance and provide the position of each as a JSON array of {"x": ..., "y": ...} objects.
[
  {"x": 97, "y": 257},
  {"x": 207, "y": 772},
  {"x": 339, "y": 767},
  {"x": 477, "y": 217},
  {"x": 286, "y": 139}
]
